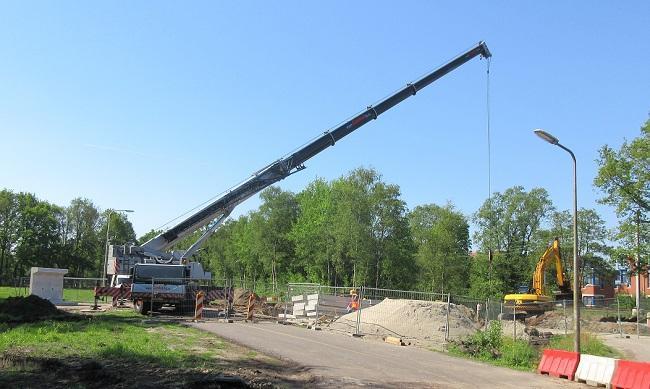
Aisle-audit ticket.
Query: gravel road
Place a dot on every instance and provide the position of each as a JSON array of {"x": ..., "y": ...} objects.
[{"x": 342, "y": 361}]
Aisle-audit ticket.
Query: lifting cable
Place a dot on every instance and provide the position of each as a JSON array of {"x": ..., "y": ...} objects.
[
  {"x": 489, "y": 147},
  {"x": 489, "y": 157}
]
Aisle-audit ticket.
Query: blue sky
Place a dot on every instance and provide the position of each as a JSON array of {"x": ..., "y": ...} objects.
[{"x": 159, "y": 106}]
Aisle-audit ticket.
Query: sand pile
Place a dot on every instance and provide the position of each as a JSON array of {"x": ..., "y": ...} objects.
[
  {"x": 419, "y": 322},
  {"x": 28, "y": 309}
]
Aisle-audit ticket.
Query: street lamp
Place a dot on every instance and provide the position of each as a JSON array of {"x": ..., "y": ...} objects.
[
  {"x": 108, "y": 227},
  {"x": 576, "y": 281}
]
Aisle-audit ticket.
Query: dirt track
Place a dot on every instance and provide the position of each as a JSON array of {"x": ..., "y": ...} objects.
[{"x": 345, "y": 361}]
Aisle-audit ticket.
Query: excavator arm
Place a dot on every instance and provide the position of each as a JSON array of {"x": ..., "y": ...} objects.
[{"x": 551, "y": 254}]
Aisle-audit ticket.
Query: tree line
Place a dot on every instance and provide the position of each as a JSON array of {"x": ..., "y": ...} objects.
[
  {"x": 37, "y": 233},
  {"x": 357, "y": 230}
]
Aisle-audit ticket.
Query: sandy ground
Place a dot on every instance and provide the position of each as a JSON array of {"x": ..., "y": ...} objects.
[
  {"x": 634, "y": 348},
  {"x": 416, "y": 322}
]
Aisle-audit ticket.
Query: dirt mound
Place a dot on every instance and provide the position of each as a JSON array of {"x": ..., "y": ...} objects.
[
  {"x": 555, "y": 321},
  {"x": 260, "y": 305},
  {"x": 419, "y": 322},
  {"x": 29, "y": 309}
]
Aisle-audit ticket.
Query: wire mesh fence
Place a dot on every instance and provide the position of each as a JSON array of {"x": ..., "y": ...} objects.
[
  {"x": 181, "y": 297},
  {"x": 415, "y": 316},
  {"x": 75, "y": 290}
]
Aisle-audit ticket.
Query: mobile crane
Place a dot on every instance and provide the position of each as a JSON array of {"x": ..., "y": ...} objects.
[
  {"x": 537, "y": 300},
  {"x": 152, "y": 261}
]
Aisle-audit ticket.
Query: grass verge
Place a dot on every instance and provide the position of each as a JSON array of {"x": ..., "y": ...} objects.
[
  {"x": 589, "y": 344},
  {"x": 120, "y": 349},
  {"x": 492, "y": 347},
  {"x": 72, "y": 295}
]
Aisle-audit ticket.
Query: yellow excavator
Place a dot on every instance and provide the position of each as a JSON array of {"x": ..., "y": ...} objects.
[{"x": 537, "y": 300}]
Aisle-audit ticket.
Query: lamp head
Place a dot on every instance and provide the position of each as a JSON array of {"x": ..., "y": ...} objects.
[{"x": 547, "y": 137}]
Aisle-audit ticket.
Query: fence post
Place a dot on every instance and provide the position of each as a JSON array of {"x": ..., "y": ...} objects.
[
  {"x": 317, "y": 304},
  {"x": 358, "y": 326},
  {"x": 638, "y": 315},
  {"x": 514, "y": 323},
  {"x": 287, "y": 298},
  {"x": 151, "y": 302},
  {"x": 487, "y": 312},
  {"x": 447, "y": 317},
  {"x": 564, "y": 309},
  {"x": 618, "y": 316}
]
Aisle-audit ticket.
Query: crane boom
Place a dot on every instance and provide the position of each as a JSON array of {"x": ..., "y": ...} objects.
[{"x": 292, "y": 163}]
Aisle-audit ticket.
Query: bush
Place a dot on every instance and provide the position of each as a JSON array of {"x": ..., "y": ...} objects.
[
  {"x": 491, "y": 346},
  {"x": 625, "y": 301},
  {"x": 519, "y": 354},
  {"x": 483, "y": 344}
]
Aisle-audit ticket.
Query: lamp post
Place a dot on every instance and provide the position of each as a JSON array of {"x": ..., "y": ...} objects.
[
  {"x": 576, "y": 279},
  {"x": 108, "y": 227}
]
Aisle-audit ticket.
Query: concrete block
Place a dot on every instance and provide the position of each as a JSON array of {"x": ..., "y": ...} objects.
[
  {"x": 298, "y": 306},
  {"x": 312, "y": 297},
  {"x": 311, "y": 314},
  {"x": 299, "y": 297},
  {"x": 300, "y": 312},
  {"x": 47, "y": 283},
  {"x": 394, "y": 340}
]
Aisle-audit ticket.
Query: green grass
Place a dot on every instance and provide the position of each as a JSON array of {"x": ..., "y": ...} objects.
[
  {"x": 73, "y": 295},
  {"x": 120, "y": 335},
  {"x": 492, "y": 347},
  {"x": 10, "y": 291},
  {"x": 589, "y": 344}
]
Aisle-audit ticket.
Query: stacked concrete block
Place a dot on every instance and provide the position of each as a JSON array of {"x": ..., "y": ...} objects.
[{"x": 310, "y": 306}]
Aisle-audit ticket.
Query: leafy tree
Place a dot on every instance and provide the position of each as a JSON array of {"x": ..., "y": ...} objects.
[
  {"x": 83, "y": 245},
  {"x": 441, "y": 235},
  {"x": 9, "y": 231},
  {"x": 506, "y": 225},
  {"x": 624, "y": 177},
  {"x": 148, "y": 236},
  {"x": 312, "y": 235},
  {"x": 38, "y": 241},
  {"x": 272, "y": 225},
  {"x": 593, "y": 250}
]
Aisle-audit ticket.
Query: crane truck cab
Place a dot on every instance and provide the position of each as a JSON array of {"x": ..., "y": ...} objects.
[{"x": 155, "y": 285}]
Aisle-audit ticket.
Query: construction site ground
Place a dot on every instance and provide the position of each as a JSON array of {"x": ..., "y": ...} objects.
[
  {"x": 344, "y": 361},
  {"x": 632, "y": 347},
  {"x": 121, "y": 349}
]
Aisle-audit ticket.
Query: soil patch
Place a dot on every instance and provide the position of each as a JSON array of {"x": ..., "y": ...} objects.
[
  {"x": 15, "y": 310},
  {"x": 554, "y": 321},
  {"x": 20, "y": 370}
]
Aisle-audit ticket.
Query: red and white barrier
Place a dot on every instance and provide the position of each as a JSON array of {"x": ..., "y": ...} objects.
[
  {"x": 559, "y": 363},
  {"x": 198, "y": 312},
  {"x": 631, "y": 375},
  {"x": 595, "y": 371}
]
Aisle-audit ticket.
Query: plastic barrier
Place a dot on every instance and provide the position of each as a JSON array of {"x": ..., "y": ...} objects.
[
  {"x": 559, "y": 363},
  {"x": 595, "y": 370},
  {"x": 631, "y": 375},
  {"x": 198, "y": 311}
]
